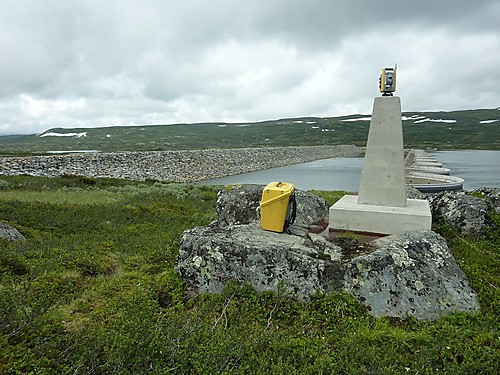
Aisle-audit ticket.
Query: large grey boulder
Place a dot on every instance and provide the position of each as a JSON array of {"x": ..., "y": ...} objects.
[
  {"x": 240, "y": 204},
  {"x": 311, "y": 210},
  {"x": 209, "y": 257},
  {"x": 10, "y": 233},
  {"x": 412, "y": 274},
  {"x": 462, "y": 211}
]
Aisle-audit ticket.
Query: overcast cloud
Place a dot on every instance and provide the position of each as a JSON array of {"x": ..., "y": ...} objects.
[{"x": 94, "y": 63}]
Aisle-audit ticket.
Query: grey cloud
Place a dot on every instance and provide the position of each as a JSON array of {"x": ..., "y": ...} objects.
[
  {"x": 89, "y": 62},
  {"x": 320, "y": 23},
  {"x": 33, "y": 50}
]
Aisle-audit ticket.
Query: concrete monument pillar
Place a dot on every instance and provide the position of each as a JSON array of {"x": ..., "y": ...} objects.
[
  {"x": 383, "y": 176},
  {"x": 381, "y": 206}
]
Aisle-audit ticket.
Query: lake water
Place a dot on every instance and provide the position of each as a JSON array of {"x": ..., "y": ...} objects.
[{"x": 479, "y": 168}]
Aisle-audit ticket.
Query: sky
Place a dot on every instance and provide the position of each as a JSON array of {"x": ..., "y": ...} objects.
[{"x": 93, "y": 63}]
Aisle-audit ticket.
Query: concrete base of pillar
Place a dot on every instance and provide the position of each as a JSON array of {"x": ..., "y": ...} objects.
[{"x": 348, "y": 215}]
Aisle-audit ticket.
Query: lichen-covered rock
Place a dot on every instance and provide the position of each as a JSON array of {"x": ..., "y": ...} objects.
[
  {"x": 462, "y": 211},
  {"x": 412, "y": 274},
  {"x": 10, "y": 233},
  {"x": 240, "y": 204},
  {"x": 311, "y": 209},
  {"x": 491, "y": 195},
  {"x": 211, "y": 256}
]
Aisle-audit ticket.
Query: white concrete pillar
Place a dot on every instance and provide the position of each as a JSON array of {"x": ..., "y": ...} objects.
[{"x": 383, "y": 177}]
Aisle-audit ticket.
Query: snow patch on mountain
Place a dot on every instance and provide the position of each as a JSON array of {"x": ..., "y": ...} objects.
[{"x": 54, "y": 134}]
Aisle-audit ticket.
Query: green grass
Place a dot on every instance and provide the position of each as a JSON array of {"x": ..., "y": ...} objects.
[
  {"x": 93, "y": 290},
  {"x": 330, "y": 196},
  {"x": 63, "y": 196}
]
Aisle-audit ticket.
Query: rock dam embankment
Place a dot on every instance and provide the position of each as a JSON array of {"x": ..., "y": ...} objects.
[{"x": 177, "y": 166}]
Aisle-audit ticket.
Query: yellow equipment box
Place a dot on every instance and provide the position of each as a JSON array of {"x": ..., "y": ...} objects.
[{"x": 277, "y": 206}]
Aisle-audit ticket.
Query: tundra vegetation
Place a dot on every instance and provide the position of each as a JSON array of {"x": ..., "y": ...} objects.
[{"x": 92, "y": 289}]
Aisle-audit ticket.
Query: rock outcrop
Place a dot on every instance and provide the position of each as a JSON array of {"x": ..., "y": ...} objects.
[
  {"x": 10, "y": 233},
  {"x": 240, "y": 204},
  {"x": 412, "y": 274},
  {"x": 211, "y": 256},
  {"x": 465, "y": 211}
]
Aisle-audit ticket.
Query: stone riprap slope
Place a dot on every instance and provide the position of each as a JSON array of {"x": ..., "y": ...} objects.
[{"x": 178, "y": 166}]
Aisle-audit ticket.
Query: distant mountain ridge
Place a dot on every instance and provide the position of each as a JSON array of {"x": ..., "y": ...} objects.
[{"x": 472, "y": 129}]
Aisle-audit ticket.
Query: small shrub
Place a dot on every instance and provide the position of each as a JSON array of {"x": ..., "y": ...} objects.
[{"x": 11, "y": 262}]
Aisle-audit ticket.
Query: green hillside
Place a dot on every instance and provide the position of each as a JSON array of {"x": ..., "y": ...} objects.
[{"x": 439, "y": 132}]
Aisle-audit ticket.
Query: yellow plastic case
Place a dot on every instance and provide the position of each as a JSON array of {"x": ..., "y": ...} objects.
[{"x": 274, "y": 205}]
